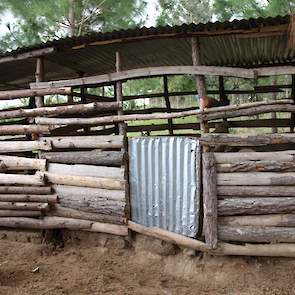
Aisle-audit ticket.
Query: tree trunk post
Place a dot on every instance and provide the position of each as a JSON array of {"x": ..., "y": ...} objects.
[
  {"x": 293, "y": 97},
  {"x": 210, "y": 200},
  {"x": 39, "y": 75},
  {"x": 200, "y": 80},
  {"x": 168, "y": 105},
  {"x": 274, "y": 97}
]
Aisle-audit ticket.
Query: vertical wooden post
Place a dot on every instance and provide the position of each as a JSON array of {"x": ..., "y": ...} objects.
[
  {"x": 119, "y": 94},
  {"x": 293, "y": 97},
  {"x": 168, "y": 105},
  {"x": 210, "y": 199},
  {"x": 274, "y": 97},
  {"x": 200, "y": 80},
  {"x": 39, "y": 76}
]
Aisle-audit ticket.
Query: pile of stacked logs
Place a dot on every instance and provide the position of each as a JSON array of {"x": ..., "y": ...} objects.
[{"x": 255, "y": 191}]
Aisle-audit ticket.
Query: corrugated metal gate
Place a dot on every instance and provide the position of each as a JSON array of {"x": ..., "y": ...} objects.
[{"x": 165, "y": 183}]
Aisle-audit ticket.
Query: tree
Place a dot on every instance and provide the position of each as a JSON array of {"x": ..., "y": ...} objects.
[
  {"x": 38, "y": 20},
  {"x": 176, "y": 12}
]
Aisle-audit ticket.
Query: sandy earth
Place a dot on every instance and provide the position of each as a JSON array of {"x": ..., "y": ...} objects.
[{"x": 86, "y": 269}]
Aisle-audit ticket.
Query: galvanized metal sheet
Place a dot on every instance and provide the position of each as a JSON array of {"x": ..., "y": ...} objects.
[{"x": 165, "y": 183}]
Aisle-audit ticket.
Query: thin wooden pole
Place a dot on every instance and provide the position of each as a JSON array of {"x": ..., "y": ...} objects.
[
  {"x": 168, "y": 105},
  {"x": 39, "y": 75},
  {"x": 210, "y": 200},
  {"x": 200, "y": 80},
  {"x": 274, "y": 97},
  {"x": 223, "y": 98},
  {"x": 293, "y": 97}
]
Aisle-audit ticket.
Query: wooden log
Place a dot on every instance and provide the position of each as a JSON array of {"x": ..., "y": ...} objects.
[
  {"x": 256, "y": 178},
  {"x": 246, "y": 139},
  {"x": 168, "y": 236},
  {"x": 33, "y": 206},
  {"x": 249, "y": 111},
  {"x": 26, "y": 129},
  {"x": 256, "y": 191},
  {"x": 279, "y": 250},
  {"x": 210, "y": 114},
  {"x": 24, "y": 146},
  {"x": 247, "y": 206},
  {"x": 257, "y": 234},
  {"x": 113, "y": 229},
  {"x": 287, "y": 220},
  {"x": 29, "y": 198},
  {"x": 148, "y": 72},
  {"x": 85, "y": 181},
  {"x": 21, "y": 163},
  {"x": 86, "y": 170},
  {"x": 210, "y": 200},
  {"x": 168, "y": 104},
  {"x": 20, "y": 213},
  {"x": 36, "y": 179},
  {"x": 99, "y": 142},
  {"x": 61, "y": 211},
  {"x": 92, "y": 200},
  {"x": 258, "y": 166},
  {"x": 231, "y": 158},
  {"x": 66, "y": 191},
  {"x": 39, "y": 190},
  {"x": 94, "y": 157},
  {"x": 15, "y": 94},
  {"x": 60, "y": 110}
]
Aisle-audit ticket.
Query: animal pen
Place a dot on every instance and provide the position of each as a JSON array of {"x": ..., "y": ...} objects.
[{"x": 81, "y": 163}]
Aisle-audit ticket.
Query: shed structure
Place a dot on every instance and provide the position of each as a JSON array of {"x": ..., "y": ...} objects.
[{"x": 75, "y": 155}]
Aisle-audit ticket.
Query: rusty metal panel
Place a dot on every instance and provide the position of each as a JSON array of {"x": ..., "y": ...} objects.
[{"x": 165, "y": 183}]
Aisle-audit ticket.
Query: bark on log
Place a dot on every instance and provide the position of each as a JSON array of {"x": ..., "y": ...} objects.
[
  {"x": 279, "y": 250},
  {"x": 61, "y": 211},
  {"x": 93, "y": 200},
  {"x": 95, "y": 157},
  {"x": 14, "y": 94},
  {"x": 24, "y": 146},
  {"x": 256, "y": 178},
  {"x": 20, "y": 213},
  {"x": 210, "y": 200},
  {"x": 246, "y": 139},
  {"x": 33, "y": 206},
  {"x": 257, "y": 234},
  {"x": 247, "y": 206},
  {"x": 26, "y": 129},
  {"x": 63, "y": 223},
  {"x": 29, "y": 198},
  {"x": 86, "y": 181},
  {"x": 258, "y": 166},
  {"x": 21, "y": 163},
  {"x": 259, "y": 108},
  {"x": 256, "y": 191},
  {"x": 148, "y": 72},
  {"x": 61, "y": 110},
  {"x": 86, "y": 170},
  {"x": 36, "y": 179},
  {"x": 38, "y": 190},
  {"x": 287, "y": 220},
  {"x": 96, "y": 142},
  {"x": 89, "y": 192},
  {"x": 231, "y": 158}
]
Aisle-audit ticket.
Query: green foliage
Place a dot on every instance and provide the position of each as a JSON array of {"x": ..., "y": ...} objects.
[
  {"x": 38, "y": 20},
  {"x": 177, "y": 12}
]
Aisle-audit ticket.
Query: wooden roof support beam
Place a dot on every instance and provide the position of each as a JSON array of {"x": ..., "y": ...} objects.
[
  {"x": 39, "y": 75},
  {"x": 168, "y": 105}
]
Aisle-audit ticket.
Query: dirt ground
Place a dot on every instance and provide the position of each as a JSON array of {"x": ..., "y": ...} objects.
[{"x": 113, "y": 268}]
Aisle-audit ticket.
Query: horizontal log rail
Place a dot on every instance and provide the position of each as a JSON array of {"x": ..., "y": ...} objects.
[
  {"x": 21, "y": 163},
  {"x": 220, "y": 112},
  {"x": 14, "y": 94},
  {"x": 168, "y": 70},
  {"x": 148, "y": 72},
  {"x": 29, "y": 198},
  {"x": 61, "y": 110}
]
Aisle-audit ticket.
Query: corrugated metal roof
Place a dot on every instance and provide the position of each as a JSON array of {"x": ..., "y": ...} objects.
[{"x": 222, "y": 44}]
